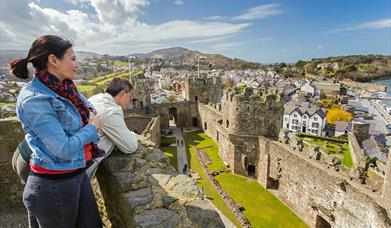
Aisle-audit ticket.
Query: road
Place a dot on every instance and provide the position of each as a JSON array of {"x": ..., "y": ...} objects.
[{"x": 181, "y": 149}]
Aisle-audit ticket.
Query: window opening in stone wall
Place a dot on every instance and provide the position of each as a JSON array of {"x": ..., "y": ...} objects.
[
  {"x": 205, "y": 126},
  {"x": 173, "y": 114},
  {"x": 251, "y": 170},
  {"x": 272, "y": 183},
  {"x": 196, "y": 98},
  {"x": 227, "y": 123},
  {"x": 321, "y": 223},
  {"x": 195, "y": 122},
  {"x": 134, "y": 102}
]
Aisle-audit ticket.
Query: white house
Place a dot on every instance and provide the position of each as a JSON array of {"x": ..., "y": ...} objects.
[
  {"x": 308, "y": 89},
  {"x": 299, "y": 117},
  {"x": 164, "y": 82}
]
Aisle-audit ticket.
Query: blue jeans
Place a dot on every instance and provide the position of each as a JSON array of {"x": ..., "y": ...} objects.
[{"x": 67, "y": 202}]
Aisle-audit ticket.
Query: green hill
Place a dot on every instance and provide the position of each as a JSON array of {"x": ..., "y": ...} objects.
[{"x": 362, "y": 68}]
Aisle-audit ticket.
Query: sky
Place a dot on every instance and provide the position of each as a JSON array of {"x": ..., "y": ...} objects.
[{"x": 259, "y": 31}]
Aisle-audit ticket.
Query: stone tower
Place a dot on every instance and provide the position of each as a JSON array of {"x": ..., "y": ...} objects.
[
  {"x": 204, "y": 89},
  {"x": 141, "y": 95},
  {"x": 253, "y": 112}
]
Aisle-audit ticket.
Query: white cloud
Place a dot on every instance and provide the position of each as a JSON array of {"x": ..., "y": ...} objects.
[
  {"x": 260, "y": 12},
  {"x": 76, "y": 2},
  {"x": 377, "y": 24},
  {"x": 320, "y": 46},
  {"x": 179, "y": 2},
  {"x": 104, "y": 32},
  {"x": 225, "y": 46},
  {"x": 214, "y": 18},
  {"x": 283, "y": 50},
  {"x": 263, "y": 39}
]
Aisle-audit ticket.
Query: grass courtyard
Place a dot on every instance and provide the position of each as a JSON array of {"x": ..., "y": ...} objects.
[
  {"x": 169, "y": 148},
  {"x": 262, "y": 209},
  {"x": 331, "y": 147}
]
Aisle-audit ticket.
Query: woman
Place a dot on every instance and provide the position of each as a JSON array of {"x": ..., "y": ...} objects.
[{"x": 61, "y": 135}]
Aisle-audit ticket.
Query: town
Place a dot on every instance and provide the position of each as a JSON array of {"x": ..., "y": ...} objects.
[{"x": 340, "y": 125}]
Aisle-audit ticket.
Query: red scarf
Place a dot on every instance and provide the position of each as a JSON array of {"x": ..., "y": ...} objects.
[{"x": 68, "y": 90}]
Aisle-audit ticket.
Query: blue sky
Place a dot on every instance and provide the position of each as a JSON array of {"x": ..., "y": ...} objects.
[{"x": 261, "y": 31}]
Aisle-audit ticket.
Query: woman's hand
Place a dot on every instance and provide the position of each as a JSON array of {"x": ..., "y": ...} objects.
[{"x": 96, "y": 120}]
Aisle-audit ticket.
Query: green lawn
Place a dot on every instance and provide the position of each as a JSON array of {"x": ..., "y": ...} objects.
[
  {"x": 87, "y": 88},
  {"x": 7, "y": 103},
  {"x": 192, "y": 140},
  {"x": 120, "y": 75},
  {"x": 262, "y": 208},
  {"x": 331, "y": 147},
  {"x": 170, "y": 151},
  {"x": 205, "y": 143}
]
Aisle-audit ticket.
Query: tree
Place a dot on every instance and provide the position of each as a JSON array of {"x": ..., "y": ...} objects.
[
  {"x": 170, "y": 99},
  {"x": 300, "y": 64},
  {"x": 337, "y": 114}
]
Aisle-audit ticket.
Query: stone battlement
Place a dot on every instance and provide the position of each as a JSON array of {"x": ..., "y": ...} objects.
[{"x": 139, "y": 189}]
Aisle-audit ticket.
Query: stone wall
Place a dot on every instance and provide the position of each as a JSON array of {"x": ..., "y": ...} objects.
[
  {"x": 11, "y": 134},
  {"x": 386, "y": 194},
  {"x": 203, "y": 89},
  {"x": 186, "y": 113},
  {"x": 143, "y": 190},
  {"x": 253, "y": 112},
  {"x": 148, "y": 125},
  {"x": 312, "y": 190},
  {"x": 355, "y": 150},
  {"x": 139, "y": 189}
]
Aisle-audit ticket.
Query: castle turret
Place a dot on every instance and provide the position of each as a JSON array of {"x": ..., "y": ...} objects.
[
  {"x": 204, "y": 89},
  {"x": 141, "y": 95},
  {"x": 253, "y": 112}
]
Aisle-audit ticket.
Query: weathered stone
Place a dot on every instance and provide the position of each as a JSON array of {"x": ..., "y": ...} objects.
[
  {"x": 139, "y": 162},
  {"x": 202, "y": 214},
  {"x": 160, "y": 179},
  {"x": 157, "y": 156},
  {"x": 157, "y": 218},
  {"x": 127, "y": 180},
  {"x": 118, "y": 163},
  {"x": 333, "y": 160},
  {"x": 168, "y": 199},
  {"x": 139, "y": 197},
  {"x": 154, "y": 170},
  {"x": 183, "y": 186}
]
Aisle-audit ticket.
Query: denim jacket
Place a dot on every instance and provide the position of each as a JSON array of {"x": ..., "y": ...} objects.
[{"x": 53, "y": 127}]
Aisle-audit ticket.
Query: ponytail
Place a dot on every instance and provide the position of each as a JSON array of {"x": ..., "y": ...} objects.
[
  {"x": 38, "y": 54},
  {"x": 19, "y": 68}
]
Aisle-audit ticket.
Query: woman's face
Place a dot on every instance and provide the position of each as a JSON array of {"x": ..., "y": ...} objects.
[{"x": 67, "y": 66}]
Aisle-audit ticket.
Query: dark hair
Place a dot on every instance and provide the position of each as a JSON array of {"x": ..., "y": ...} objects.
[
  {"x": 38, "y": 54},
  {"x": 115, "y": 86}
]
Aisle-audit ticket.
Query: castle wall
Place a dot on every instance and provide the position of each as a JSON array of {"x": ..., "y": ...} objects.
[
  {"x": 11, "y": 134},
  {"x": 203, "y": 89},
  {"x": 386, "y": 193},
  {"x": 311, "y": 190},
  {"x": 186, "y": 113},
  {"x": 141, "y": 95},
  {"x": 253, "y": 113}
]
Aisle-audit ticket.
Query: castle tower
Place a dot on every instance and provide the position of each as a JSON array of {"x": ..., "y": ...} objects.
[
  {"x": 141, "y": 95},
  {"x": 204, "y": 89},
  {"x": 253, "y": 112}
]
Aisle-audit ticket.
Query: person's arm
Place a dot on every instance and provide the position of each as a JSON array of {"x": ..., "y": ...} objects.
[
  {"x": 114, "y": 127},
  {"x": 44, "y": 122}
]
